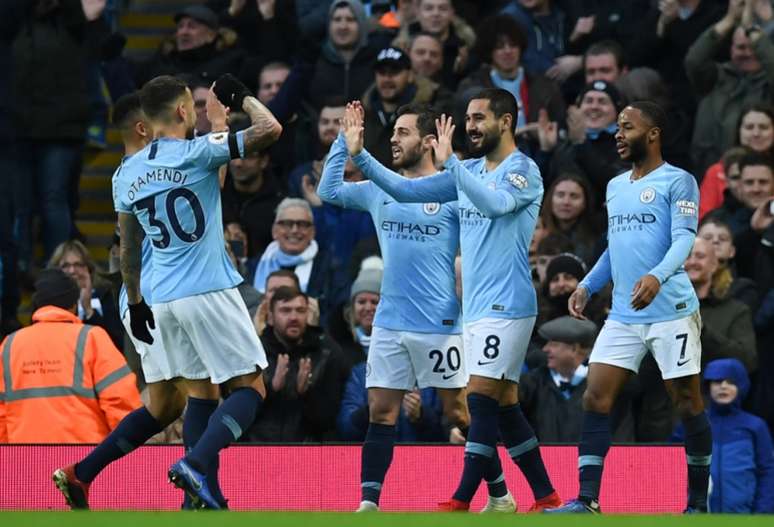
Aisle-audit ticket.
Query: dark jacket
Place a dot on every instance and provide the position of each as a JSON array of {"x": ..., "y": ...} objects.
[
  {"x": 51, "y": 56},
  {"x": 727, "y": 331},
  {"x": 352, "y": 421},
  {"x": 109, "y": 319},
  {"x": 597, "y": 159},
  {"x": 335, "y": 77},
  {"x": 206, "y": 62},
  {"x": 559, "y": 420},
  {"x": 379, "y": 123},
  {"x": 725, "y": 90},
  {"x": 268, "y": 39},
  {"x": 255, "y": 212},
  {"x": 287, "y": 416},
  {"x": 546, "y": 35},
  {"x": 742, "y": 468}
]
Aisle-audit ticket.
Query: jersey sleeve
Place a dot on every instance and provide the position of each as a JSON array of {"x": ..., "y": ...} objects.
[
  {"x": 438, "y": 187},
  {"x": 332, "y": 187},
  {"x": 218, "y": 148},
  {"x": 599, "y": 275},
  {"x": 118, "y": 204},
  {"x": 684, "y": 210}
]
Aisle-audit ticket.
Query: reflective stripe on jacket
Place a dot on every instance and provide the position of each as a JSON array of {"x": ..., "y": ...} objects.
[{"x": 62, "y": 381}]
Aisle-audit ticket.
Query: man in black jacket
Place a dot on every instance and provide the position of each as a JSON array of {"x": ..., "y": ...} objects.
[
  {"x": 551, "y": 395},
  {"x": 305, "y": 377}
]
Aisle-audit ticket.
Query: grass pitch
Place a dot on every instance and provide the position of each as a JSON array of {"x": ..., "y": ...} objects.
[{"x": 314, "y": 519}]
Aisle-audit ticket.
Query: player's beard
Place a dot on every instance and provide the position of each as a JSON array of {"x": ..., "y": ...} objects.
[
  {"x": 410, "y": 157},
  {"x": 489, "y": 141},
  {"x": 638, "y": 150}
]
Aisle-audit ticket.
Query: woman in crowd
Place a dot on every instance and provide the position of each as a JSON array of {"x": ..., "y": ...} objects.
[
  {"x": 569, "y": 209},
  {"x": 96, "y": 305},
  {"x": 756, "y": 132}
]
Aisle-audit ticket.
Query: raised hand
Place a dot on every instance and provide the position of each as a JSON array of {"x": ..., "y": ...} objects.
[
  {"x": 267, "y": 8},
  {"x": 280, "y": 372},
  {"x": 309, "y": 191},
  {"x": 352, "y": 126},
  {"x": 304, "y": 379},
  {"x": 442, "y": 145},
  {"x": 548, "y": 131},
  {"x": 217, "y": 114}
]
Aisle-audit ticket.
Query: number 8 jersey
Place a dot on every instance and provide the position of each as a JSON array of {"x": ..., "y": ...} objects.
[{"x": 171, "y": 186}]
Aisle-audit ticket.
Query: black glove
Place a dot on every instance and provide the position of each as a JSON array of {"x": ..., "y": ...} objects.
[
  {"x": 140, "y": 317},
  {"x": 231, "y": 92}
]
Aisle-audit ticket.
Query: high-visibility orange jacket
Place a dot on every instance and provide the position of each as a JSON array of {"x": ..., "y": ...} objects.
[{"x": 62, "y": 381}]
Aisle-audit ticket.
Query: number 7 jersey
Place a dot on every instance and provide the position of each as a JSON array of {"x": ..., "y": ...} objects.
[{"x": 172, "y": 187}]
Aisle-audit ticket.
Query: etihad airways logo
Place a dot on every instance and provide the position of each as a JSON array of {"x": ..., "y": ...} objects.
[
  {"x": 629, "y": 222},
  {"x": 400, "y": 230}
]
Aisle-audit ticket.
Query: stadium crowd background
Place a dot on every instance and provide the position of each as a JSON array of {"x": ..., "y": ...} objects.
[{"x": 571, "y": 64}]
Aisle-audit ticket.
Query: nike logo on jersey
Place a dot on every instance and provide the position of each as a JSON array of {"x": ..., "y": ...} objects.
[
  {"x": 447, "y": 377},
  {"x": 387, "y": 202},
  {"x": 485, "y": 362},
  {"x": 682, "y": 362}
]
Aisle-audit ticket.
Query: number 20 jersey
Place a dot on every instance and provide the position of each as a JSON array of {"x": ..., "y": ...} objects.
[{"x": 171, "y": 186}]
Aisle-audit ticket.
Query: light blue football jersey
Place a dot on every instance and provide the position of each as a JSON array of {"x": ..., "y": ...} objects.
[
  {"x": 496, "y": 276},
  {"x": 419, "y": 243},
  {"x": 172, "y": 187},
  {"x": 642, "y": 217}
]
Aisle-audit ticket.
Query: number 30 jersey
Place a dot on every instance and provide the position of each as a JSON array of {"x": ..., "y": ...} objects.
[{"x": 171, "y": 186}]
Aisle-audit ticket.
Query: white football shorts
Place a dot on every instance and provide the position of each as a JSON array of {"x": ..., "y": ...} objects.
[{"x": 496, "y": 347}]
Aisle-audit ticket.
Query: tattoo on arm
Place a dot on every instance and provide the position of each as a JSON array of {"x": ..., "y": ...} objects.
[
  {"x": 265, "y": 129},
  {"x": 131, "y": 255}
]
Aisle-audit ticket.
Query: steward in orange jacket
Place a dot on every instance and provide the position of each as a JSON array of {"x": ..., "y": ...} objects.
[{"x": 62, "y": 381}]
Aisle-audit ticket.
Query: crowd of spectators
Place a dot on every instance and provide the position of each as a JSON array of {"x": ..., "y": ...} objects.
[{"x": 312, "y": 270}]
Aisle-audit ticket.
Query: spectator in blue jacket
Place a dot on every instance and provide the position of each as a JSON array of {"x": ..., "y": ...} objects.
[{"x": 742, "y": 467}]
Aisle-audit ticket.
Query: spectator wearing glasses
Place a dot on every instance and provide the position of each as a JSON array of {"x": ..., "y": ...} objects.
[
  {"x": 295, "y": 248},
  {"x": 96, "y": 304}
]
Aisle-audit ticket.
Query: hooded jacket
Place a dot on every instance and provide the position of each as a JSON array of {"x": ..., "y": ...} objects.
[
  {"x": 742, "y": 466},
  {"x": 334, "y": 76}
]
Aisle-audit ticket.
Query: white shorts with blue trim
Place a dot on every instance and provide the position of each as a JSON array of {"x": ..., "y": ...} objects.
[
  {"x": 400, "y": 360},
  {"x": 210, "y": 335},
  {"x": 496, "y": 347},
  {"x": 675, "y": 344}
]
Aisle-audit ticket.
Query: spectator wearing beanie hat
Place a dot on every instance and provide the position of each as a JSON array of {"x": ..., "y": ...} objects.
[
  {"x": 562, "y": 277},
  {"x": 590, "y": 144},
  {"x": 41, "y": 403},
  {"x": 363, "y": 299}
]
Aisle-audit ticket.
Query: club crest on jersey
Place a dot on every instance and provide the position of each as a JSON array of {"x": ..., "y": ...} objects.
[
  {"x": 517, "y": 180},
  {"x": 648, "y": 195},
  {"x": 431, "y": 209},
  {"x": 218, "y": 138}
]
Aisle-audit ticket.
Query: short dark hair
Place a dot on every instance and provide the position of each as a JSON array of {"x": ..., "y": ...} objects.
[
  {"x": 284, "y": 273},
  {"x": 127, "y": 110},
  {"x": 158, "y": 94},
  {"x": 426, "y": 117},
  {"x": 492, "y": 29},
  {"x": 653, "y": 113},
  {"x": 555, "y": 243},
  {"x": 755, "y": 159},
  {"x": 758, "y": 107},
  {"x": 333, "y": 101},
  {"x": 603, "y": 47},
  {"x": 285, "y": 294},
  {"x": 716, "y": 217},
  {"x": 732, "y": 156},
  {"x": 500, "y": 102}
]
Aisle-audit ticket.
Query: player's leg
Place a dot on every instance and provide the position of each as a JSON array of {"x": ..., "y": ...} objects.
[
  {"x": 617, "y": 353},
  {"x": 235, "y": 362},
  {"x": 389, "y": 374},
  {"x": 523, "y": 447},
  {"x": 135, "y": 428},
  {"x": 686, "y": 396},
  {"x": 202, "y": 401},
  {"x": 676, "y": 347},
  {"x": 376, "y": 455}
]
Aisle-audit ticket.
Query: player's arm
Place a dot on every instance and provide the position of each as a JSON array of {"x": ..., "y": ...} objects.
[
  {"x": 131, "y": 255},
  {"x": 264, "y": 129},
  {"x": 684, "y": 197},
  {"x": 438, "y": 187},
  {"x": 332, "y": 187}
]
